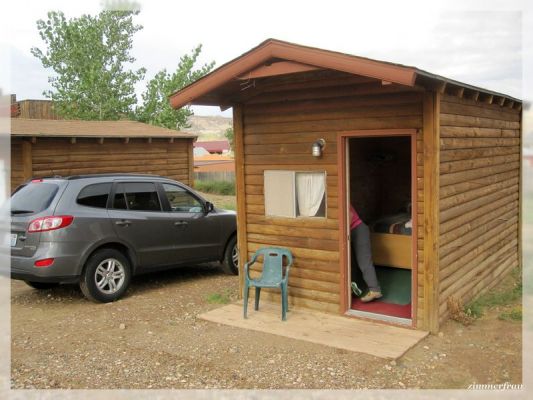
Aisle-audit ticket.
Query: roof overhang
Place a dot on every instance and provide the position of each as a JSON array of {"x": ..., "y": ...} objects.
[
  {"x": 289, "y": 58},
  {"x": 225, "y": 85}
]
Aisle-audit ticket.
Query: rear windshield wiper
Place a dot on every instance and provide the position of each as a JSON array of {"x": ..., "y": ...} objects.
[{"x": 13, "y": 212}]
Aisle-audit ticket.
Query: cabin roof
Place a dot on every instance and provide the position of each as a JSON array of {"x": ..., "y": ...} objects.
[
  {"x": 79, "y": 128},
  {"x": 273, "y": 57}
]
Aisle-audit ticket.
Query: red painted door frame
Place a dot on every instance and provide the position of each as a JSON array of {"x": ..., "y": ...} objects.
[{"x": 342, "y": 141}]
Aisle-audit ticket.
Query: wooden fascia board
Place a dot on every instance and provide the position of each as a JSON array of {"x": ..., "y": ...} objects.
[
  {"x": 345, "y": 63},
  {"x": 278, "y": 68},
  {"x": 220, "y": 76},
  {"x": 85, "y": 136},
  {"x": 304, "y": 55}
]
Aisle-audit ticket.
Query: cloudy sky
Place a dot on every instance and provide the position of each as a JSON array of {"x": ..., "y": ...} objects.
[{"x": 481, "y": 43}]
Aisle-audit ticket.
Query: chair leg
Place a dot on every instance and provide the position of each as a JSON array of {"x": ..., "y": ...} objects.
[
  {"x": 283, "y": 303},
  {"x": 257, "y": 295},
  {"x": 245, "y": 300},
  {"x": 286, "y": 299}
]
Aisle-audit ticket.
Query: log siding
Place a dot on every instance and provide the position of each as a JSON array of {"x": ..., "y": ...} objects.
[
  {"x": 479, "y": 197},
  {"x": 278, "y": 134},
  {"x": 60, "y": 156}
]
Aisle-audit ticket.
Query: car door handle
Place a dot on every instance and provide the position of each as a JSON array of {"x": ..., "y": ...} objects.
[
  {"x": 181, "y": 223},
  {"x": 124, "y": 222}
]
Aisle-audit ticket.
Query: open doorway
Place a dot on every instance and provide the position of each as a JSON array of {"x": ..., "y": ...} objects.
[{"x": 380, "y": 186}]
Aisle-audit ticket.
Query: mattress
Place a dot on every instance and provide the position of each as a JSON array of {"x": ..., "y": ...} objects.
[{"x": 398, "y": 224}]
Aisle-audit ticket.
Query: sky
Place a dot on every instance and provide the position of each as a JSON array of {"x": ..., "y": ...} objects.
[{"x": 478, "y": 42}]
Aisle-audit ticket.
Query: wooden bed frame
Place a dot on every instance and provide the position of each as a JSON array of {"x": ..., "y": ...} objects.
[{"x": 391, "y": 250}]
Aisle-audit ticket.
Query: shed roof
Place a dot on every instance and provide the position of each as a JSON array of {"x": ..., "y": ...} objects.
[
  {"x": 213, "y": 145},
  {"x": 99, "y": 129},
  {"x": 276, "y": 57}
]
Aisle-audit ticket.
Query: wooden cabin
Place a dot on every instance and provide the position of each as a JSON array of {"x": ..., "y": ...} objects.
[
  {"x": 46, "y": 147},
  {"x": 432, "y": 165}
]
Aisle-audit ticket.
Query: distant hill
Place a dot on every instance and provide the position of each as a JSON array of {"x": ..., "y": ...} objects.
[{"x": 209, "y": 128}]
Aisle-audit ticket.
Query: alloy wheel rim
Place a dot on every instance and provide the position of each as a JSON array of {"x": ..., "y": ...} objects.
[
  {"x": 235, "y": 256},
  {"x": 109, "y": 276}
]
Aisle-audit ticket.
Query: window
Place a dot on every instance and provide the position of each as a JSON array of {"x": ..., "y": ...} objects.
[
  {"x": 137, "y": 196},
  {"x": 94, "y": 195},
  {"x": 33, "y": 197},
  {"x": 295, "y": 194},
  {"x": 181, "y": 200}
]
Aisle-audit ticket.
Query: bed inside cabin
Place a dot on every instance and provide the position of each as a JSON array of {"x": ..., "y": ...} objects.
[{"x": 379, "y": 184}]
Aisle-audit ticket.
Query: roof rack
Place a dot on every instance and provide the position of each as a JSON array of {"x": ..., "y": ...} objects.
[
  {"x": 74, "y": 177},
  {"x": 84, "y": 176}
]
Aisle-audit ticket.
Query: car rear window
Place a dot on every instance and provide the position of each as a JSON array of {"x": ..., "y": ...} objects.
[
  {"x": 33, "y": 198},
  {"x": 95, "y": 195}
]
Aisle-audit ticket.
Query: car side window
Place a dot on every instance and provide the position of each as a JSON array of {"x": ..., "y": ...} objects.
[
  {"x": 95, "y": 195},
  {"x": 119, "y": 201},
  {"x": 181, "y": 200},
  {"x": 136, "y": 196}
]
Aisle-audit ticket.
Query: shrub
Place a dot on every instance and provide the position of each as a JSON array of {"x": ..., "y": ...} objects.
[
  {"x": 458, "y": 312},
  {"x": 225, "y": 188}
]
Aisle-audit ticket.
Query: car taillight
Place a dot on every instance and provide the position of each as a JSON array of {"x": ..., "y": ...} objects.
[
  {"x": 46, "y": 262},
  {"x": 44, "y": 224}
]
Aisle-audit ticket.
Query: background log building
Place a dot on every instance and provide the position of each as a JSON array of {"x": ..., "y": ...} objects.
[{"x": 45, "y": 147}]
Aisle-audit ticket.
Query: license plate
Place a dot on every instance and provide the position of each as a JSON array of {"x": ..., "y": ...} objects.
[{"x": 13, "y": 239}]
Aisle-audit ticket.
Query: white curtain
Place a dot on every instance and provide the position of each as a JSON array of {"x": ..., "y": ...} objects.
[{"x": 310, "y": 190}]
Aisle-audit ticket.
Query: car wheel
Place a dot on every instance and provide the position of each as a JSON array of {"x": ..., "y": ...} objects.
[
  {"x": 106, "y": 276},
  {"x": 230, "y": 263},
  {"x": 42, "y": 285}
]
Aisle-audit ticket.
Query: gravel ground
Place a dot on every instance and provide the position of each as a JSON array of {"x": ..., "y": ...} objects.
[{"x": 152, "y": 338}]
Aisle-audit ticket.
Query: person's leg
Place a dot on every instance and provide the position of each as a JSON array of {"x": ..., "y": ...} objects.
[
  {"x": 358, "y": 284},
  {"x": 364, "y": 257}
]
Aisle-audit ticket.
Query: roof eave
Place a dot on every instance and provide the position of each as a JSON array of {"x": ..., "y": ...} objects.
[
  {"x": 97, "y": 135},
  {"x": 307, "y": 55}
]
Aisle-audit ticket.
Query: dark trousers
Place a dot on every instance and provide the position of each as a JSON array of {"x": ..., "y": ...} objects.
[{"x": 360, "y": 238}]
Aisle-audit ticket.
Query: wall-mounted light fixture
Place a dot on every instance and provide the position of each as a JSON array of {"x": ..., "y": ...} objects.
[{"x": 318, "y": 147}]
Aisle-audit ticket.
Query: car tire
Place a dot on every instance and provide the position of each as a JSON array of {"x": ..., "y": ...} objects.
[
  {"x": 106, "y": 276},
  {"x": 42, "y": 285},
  {"x": 230, "y": 263}
]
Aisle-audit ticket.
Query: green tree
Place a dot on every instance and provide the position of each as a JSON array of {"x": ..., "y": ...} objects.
[
  {"x": 89, "y": 56},
  {"x": 231, "y": 137},
  {"x": 156, "y": 109}
]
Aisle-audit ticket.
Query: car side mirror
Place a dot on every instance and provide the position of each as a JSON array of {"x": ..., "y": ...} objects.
[{"x": 208, "y": 207}]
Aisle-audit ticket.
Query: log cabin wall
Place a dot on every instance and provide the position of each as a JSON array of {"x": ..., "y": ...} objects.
[
  {"x": 59, "y": 156},
  {"x": 479, "y": 197},
  {"x": 279, "y": 127},
  {"x": 17, "y": 170}
]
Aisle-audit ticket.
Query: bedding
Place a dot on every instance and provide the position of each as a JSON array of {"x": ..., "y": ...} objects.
[{"x": 399, "y": 224}]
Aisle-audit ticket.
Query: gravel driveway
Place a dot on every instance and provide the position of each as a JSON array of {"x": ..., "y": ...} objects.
[{"x": 152, "y": 338}]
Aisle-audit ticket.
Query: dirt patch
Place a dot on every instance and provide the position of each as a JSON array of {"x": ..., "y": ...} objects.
[{"x": 152, "y": 338}]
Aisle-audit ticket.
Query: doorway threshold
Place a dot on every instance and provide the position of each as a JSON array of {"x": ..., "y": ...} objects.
[{"x": 380, "y": 317}]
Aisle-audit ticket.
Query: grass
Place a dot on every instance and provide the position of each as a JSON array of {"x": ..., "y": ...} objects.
[
  {"x": 225, "y": 188},
  {"x": 218, "y": 298},
  {"x": 509, "y": 292},
  {"x": 227, "y": 205},
  {"x": 514, "y": 315},
  {"x": 220, "y": 201}
]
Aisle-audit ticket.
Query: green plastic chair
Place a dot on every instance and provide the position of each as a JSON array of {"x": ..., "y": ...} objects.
[{"x": 272, "y": 276}]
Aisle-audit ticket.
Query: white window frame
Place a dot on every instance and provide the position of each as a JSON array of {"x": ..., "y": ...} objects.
[{"x": 281, "y": 200}]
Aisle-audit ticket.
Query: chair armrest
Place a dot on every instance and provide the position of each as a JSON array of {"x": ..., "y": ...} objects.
[
  {"x": 288, "y": 268},
  {"x": 248, "y": 265}
]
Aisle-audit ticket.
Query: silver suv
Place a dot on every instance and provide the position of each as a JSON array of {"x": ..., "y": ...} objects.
[{"x": 99, "y": 230}]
